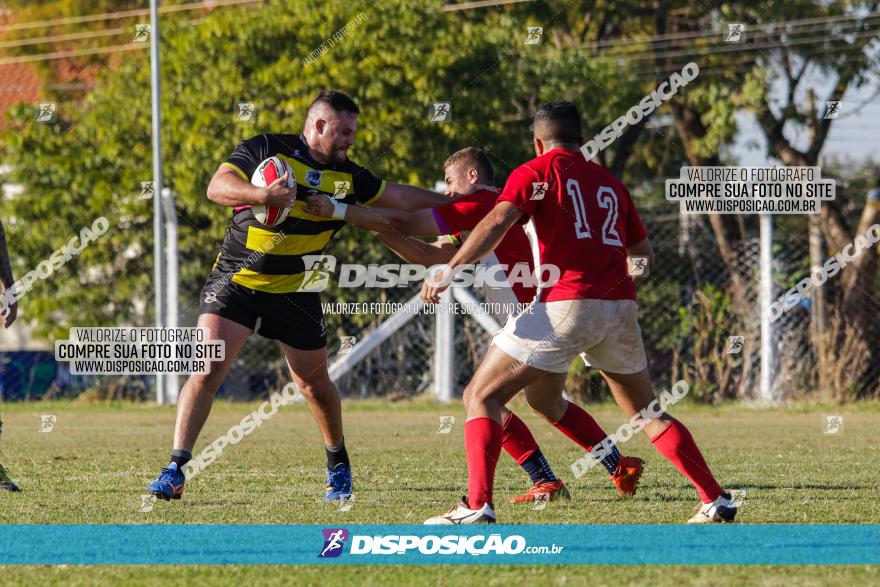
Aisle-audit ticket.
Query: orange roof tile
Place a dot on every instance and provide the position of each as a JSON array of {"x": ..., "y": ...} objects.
[{"x": 18, "y": 83}]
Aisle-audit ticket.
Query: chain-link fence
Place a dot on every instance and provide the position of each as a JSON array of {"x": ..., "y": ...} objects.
[
  {"x": 696, "y": 322},
  {"x": 28, "y": 375}
]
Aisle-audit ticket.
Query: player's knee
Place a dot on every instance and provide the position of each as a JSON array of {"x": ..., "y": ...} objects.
[
  {"x": 206, "y": 383},
  {"x": 317, "y": 389},
  {"x": 308, "y": 390},
  {"x": 467, "y": 397},
  {"x": 471, "y": 397}
]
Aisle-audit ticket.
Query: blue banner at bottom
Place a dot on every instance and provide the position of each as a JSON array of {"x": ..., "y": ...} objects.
[{"x": 399, "y": 544}]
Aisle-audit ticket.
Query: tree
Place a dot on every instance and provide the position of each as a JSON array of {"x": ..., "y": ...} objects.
[
  {"x": 94, "y": 159},
  {"x": 830, "y": 38}
]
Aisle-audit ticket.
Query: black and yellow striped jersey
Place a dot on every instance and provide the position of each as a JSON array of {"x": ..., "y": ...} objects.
[{"x": 269, "y": 258}]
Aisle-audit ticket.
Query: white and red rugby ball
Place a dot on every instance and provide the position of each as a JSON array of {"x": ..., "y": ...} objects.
[{"x": 267, "y": 172}]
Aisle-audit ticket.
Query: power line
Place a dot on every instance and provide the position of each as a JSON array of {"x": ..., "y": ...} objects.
[
  {"x": 647, "y": 56},
  {"x": 768, "y": 29},
  {"x": 741, "y": 48},
  {"x": 63, "y": 38},
  {"x": 75, "y": 36},
  {"x": 652, "y": 73},
  {"x": 123, "y": 14},
  {"x": 742, "y": 68},
  {"x": 479, "y": 4},
  {"x": 25, "y": 87},
  {"x": 74, "y": 53},
  {"x": 82, "y": 52},
  {"x": 615, "y": 46},
  {"x": 745, "y": 48}
]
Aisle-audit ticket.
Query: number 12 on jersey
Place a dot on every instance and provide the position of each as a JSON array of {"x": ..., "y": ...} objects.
[{"x": 607, "y": 200}]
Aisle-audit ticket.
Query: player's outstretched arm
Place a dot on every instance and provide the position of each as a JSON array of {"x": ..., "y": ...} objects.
[
  {"x": 482, "y": 241},
  {"x": 228, "y": 188},
  {"x": 413, "y": 250},
  {"x": 420, "y": 222},
  {"x": 409, "y": 197}
]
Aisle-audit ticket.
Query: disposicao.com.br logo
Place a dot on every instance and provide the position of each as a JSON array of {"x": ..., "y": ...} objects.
[
  {"x": 320, "y": 268},
  {"x": 334, "y": 540},
  {"x": 452, "y": 544}
]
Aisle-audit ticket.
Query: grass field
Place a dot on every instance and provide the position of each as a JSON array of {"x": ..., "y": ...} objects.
[{"x": 95, "y": 464}]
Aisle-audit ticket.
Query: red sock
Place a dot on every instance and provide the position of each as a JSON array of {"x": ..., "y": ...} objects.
[
  {"x": 676, "y": 444},
  {"x": 482, "y": 446},
  {"x": 580, "y": 427},
  {"x": 518, "y": 440}
]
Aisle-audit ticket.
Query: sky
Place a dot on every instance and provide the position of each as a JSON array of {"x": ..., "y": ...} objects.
[{"x": 855, "y": 134}]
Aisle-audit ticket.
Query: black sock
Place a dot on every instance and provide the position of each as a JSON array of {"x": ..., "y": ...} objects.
[
  {"x": 611, "y": 460},
  {"x": 181, "y": 457},
  {"x": 538, "y": 468},
  {"x": 336, "y": 455}
]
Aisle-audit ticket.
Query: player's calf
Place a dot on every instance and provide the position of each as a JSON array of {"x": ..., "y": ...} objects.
[
  {"x": 521, "y": 445},
  {"x": 634, "y": 394},
  {"x": 678, "y": 446},
  {"x": 323, "y": 400}
]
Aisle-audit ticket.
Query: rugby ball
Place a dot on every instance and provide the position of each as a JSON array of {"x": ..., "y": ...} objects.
[{"x": 267, "y": 172}]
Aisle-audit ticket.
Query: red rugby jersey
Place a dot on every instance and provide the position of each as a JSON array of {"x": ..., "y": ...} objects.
[
  {"x": 584, "y": 219},
  {"x": 464, "y": 213}
]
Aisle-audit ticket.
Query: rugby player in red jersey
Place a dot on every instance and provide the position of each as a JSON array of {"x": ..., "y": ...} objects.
[
  {"x": 467, "y": 172},
  {"x": 586, "y": 224}
]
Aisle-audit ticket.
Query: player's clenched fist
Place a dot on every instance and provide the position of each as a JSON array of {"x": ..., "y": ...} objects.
[
  {"x": 278, "y": 195},
  {"x": 436, "y": 282},
  {"x": 320, "y": 205}
]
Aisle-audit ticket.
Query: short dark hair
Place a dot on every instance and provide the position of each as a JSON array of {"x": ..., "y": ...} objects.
[
  {"x": 473, "y": 157},
  {"x": 559, "y": 122},
  {"x": 337, "y": 100}
]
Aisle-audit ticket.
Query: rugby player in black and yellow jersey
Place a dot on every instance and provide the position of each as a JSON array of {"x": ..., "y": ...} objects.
[{"x": 257, "y": 281}]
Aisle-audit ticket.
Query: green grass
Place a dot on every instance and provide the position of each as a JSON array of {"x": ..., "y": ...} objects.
[
  {"x": 94, "y": 466},
  {"x": 446, "y": 576}
]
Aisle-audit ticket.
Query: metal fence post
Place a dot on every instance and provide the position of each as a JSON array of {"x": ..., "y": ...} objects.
[
  {"x": 158, "y": 275},
  {"x": 768, "y": 343},
  {"x": 172, "y": 383},
  {"x": 444, "y": 353}
]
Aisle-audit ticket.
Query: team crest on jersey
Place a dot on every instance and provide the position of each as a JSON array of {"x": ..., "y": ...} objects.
[{"x": 313, "y": 177}]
